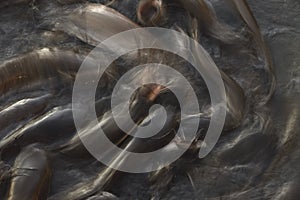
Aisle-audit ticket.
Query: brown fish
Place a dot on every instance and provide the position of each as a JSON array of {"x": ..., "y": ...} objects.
[
  {"x": 104, "y": 179},
  {"x": 32, "y": 175},
  {"x": 150, "y": 12},
  {"x": 42, "y": 67},
  {"x": 244, "y": 10},
  {"x": 93, "y": 23},
  {"x": 82, "y": 191},
  {"x": 235, "y": 97},
  {"x": 39, "y": 65},
  {"x": 236, "y": 102},
  {"x": 208, "y": 21},
  {"x": 140, "y": 106}
]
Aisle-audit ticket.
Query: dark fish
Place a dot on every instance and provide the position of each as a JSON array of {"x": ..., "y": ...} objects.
[
  {"x": 5, "y": 171},
  {"x": 193, "y": 7},
  {"x": 32, "y": 175},
  {"x": 161, "y": 139},
  {"x": 84, "y": 190},
  {"x": 105, "y": 178},
  {"x": 160, "y": 181},
  {"x": 28, "y": 107},
  {"x": 43, "y": 68},
  {"x": 244, "y": 10},
  {"x": 208, "y": 21},
  {"x": 235, "y": 98},
  {"x": 58, "y": 123},
  {"x": 139, "y": 107},
  {"x": 93, "y": 23},
  {"x": 236, "y": 103},
  {"x": 150, "y": 12}
]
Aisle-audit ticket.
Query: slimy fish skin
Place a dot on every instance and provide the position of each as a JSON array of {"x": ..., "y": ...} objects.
[{"x": 31, "y": 176}]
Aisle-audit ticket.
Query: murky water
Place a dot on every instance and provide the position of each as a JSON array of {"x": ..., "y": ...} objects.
[{"x": 258, "y": 160}]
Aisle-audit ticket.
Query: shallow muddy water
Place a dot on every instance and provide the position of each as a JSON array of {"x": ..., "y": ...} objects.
[{"x": 260, "y": 159}]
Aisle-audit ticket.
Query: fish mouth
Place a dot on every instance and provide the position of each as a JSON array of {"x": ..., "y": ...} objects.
[{"x": 149, "y": 12}]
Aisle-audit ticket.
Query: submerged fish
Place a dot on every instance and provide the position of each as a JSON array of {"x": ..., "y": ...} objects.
[
  {"x": 93, "y": 23},
  {"x": 102, "y": 181},
  {"x": 10, "y": 114},
  {"x": 42, "y": 130},
  {"x": 207, "y": 20},
  {"x": 140, "y": 105},
  {"x": 244, "y": 10}
]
